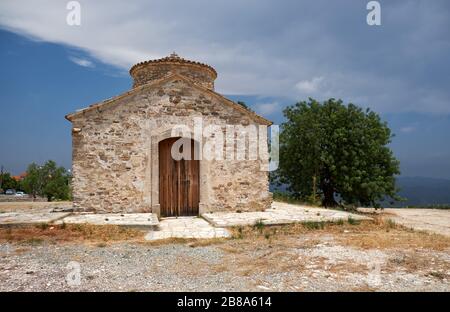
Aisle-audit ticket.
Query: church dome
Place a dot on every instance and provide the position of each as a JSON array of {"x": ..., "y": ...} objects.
[{"x": 148, "y": 71}]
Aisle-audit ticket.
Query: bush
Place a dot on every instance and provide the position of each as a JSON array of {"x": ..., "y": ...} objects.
[
  {"x": 259, "y": 225},
  {"x": 313, "y": 225},
  {"x": 352, "y": 221}
]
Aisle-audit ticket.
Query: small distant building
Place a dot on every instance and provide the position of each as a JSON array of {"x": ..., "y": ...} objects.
[
  {"x": 122, "y": 147},
  {"x": 20, "y": 177}
]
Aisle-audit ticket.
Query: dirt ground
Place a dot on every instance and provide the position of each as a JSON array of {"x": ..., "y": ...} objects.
[
  {"x": 356, "y": 256},
  {"x": 431, "y": 220}
]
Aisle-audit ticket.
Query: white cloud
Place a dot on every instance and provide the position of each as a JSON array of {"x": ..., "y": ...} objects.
[
  {"x": 309, "y": 86},
  {"x": 408, "y": 129},
  {"x": 262, "y": 48},
  {"x": 267, "y": 108},
  {"x": 82, "y": 62}
]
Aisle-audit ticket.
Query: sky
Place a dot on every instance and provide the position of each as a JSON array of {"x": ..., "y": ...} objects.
[{"x": 267, "y": 53}]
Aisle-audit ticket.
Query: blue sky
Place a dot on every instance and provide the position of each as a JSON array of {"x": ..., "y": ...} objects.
[{"x": 269, "y": 54}]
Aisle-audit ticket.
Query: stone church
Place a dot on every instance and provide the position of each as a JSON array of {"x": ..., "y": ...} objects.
[{"x": 123, "y": 147}]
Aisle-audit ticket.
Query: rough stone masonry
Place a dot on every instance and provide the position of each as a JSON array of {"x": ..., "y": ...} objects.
[{"x": 115, "y": 143}]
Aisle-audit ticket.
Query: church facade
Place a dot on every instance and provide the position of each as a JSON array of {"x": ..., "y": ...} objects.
[{"x": 171, "y": 145}]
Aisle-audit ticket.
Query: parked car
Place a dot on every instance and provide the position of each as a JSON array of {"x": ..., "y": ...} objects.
[
  {"x": 20, "y": 194},
  {"x": 10, "y": 192}
]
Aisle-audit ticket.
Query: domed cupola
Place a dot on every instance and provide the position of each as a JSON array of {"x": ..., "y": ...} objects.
[{"x": 148, "y": 71}]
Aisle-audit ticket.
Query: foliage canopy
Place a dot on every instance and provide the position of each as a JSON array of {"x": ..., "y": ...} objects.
[{"x": 334, "y": 152}]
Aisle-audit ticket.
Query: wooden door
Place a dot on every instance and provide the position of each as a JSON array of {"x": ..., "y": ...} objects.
[{"x": 178, "y": 182}]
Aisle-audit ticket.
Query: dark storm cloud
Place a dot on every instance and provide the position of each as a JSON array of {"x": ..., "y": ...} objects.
[{"x": 290, "y": 49}]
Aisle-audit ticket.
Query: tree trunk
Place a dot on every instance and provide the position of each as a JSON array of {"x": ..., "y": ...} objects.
[
  {"x": 328, "y": 192},
  {"x": 314, "y": 190},
  {"x": 328, "y": 199}
]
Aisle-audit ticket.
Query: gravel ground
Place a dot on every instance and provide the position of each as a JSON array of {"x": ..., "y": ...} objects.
[{"x": 308, "y": 262}]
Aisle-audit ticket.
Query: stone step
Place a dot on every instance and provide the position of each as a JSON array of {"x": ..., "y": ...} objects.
[{"x": 187, "y": 228}]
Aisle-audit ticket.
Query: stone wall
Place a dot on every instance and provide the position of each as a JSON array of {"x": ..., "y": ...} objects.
[{"x": 114, "y": 166}]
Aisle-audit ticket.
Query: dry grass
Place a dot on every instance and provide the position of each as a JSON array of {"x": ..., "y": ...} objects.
[
  {"x": 364, "y": 288},
  {"x": 438, "y": 275},
  {"x": 166, "y": 241},
  {"x": 245, "y": 263},
  {"x": 260, "y": 251},
  {"x": 191, "y": 242},
  {"x": 398, "y": 238},
  {"x": 19, "y": 251},
  {"x": 256, "y": 250},
  {"x": 277, "y": 231},
  {"x": 347, "y": 267},
  {"x": 413, "y": 261},
  {"x": 379, "y": 233},
  {"x": 384, "y": 233},
  {"x": 206, "y": 242},
  {"x": 36, "y": 234}
]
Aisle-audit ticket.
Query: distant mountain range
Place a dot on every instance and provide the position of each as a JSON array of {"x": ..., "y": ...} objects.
[
  {"x": 421, "y": 191},
  {"x": 418, "y": 191}
]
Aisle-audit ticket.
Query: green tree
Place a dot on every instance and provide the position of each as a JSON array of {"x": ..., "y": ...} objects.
[
  {"x": 48, "y": 181},
  {"x": 334, "y": 151},
  {"x": 8, "y": 182},
  {"x": 56, "y": 181},
  {"x": 33, "y": 183}
]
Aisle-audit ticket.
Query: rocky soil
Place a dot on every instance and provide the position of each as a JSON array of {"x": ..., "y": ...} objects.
[{"x": 306, "y": 262}]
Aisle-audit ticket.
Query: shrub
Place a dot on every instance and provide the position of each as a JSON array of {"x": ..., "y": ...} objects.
[
  {"x": 352, "y": 221},
  {"x": 259, "y": 225},
  {"x": 313, "y": 225}
]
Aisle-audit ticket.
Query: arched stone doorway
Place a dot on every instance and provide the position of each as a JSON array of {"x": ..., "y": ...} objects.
[{"x": 179, "y": 180}]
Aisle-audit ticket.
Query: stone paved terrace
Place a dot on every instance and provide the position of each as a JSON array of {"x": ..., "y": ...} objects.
[
  {"x": 212, "y": 226},
  {"x": 186, "y": 227},
  {"x": 22, "y": 218},
  {"x": 128, "y": 219},
  {"x": 279, "y": 213}
]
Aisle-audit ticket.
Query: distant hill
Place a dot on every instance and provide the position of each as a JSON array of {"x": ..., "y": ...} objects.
[{"x": 419, "y": 191}]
